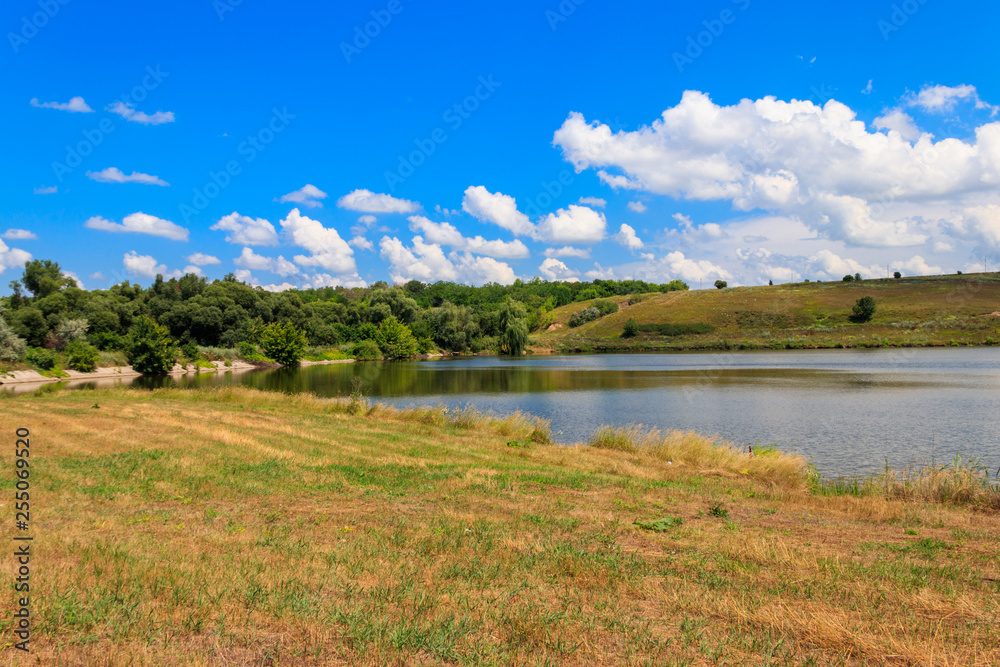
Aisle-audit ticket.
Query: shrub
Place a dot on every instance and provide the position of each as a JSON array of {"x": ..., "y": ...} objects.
[
  {"x": 149, "y": 349},
  {"x": 190, "y": 351},
  {"x": 857, "y": 277},
  {"x": 863, "y": 309},
  {"x": 105, "y": 341},
  {"x": 584, "y": 316},
  {"x": 81, "y": 356},
  {"x": 677, "y": 329},
  {"x": 69, "y": 331},
  {"x": 848, "y": 278},
  {"x": 631, "y": 329},
  {"x": 721, "y": 284},
  {"x": 12, "y": 347},
  {"x": 897, "y": 275},
  {"x": 284, "y": 343},
  {"x": 634, "y": 299},
  {"x": 41, "y": 358},
  {"x": 395, "y": 339},
  {"x": 605, "y": 307},
  {"x": 366, "y": 349}
]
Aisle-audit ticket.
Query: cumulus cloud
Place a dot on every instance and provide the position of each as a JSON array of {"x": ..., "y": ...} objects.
[
  {"x": 115, "y": 175},
  {"x": 427, "y": 262},
  {"x": 140, "y": 223},
  {"x": 246, "y": 231},
  {"x": 49, "y": 190},
  {"x": 145, "y": 266},
  {"x": 899, "y": 121},
  {"x": 444, "y": 233},
  {"x": 361, "y": 243},
  {"x": 596, "y": 202},
  {"x": 201, "y": 259},
  {"x": 368, "y": 220},
  {"x": 308, "y": 195},
  {"x": 496, "y": 208},
  {"x": 553, "y": 269},
  {"x": 327, "y": 249},
  {"x": 75, "y": 105},
  {"x": 12, "y": 258},
  {"x": 637, "y": 206},
  {"x": 567, "y": 251},
  {"x": 128, "y": 112},
  {"x": 366, "y": 201},
  {"x": 943, "y": 99},
  {"x": 576, "y": 224},
  {"x": 626, "y": 237},
  {"x": 19, "y": 235},
  {"x": 248, "y": 259},
  {"x": 818, "y": 164},
  {"x": 979, "y": 224}
]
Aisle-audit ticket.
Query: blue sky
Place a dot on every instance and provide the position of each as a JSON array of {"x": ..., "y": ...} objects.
[{"x": 732, "y": 139}]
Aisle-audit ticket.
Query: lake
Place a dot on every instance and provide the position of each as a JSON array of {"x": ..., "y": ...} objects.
[{"x": 849, "y": 410}]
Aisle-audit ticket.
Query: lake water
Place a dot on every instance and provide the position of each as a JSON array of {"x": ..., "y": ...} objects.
[{"x": 850, "y": 410}]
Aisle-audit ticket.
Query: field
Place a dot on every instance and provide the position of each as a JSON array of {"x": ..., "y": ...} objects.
[
  {"x": 934, "y": 310},
  {"x": 237, "y": 527}
]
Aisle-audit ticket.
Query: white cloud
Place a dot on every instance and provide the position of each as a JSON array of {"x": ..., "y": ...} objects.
[
  {"x": 577, "y": 224},
  {"x": 368, "y": 220},
  {"x": 128, "y": 112},
  {"x": 201, "y": 259},
  {"x": 979, "y": 224},
  {"x": 818, "y": 164},
  {"x": 428, "y": 263},
  {"x": 19, "y": 235},
  {"x": 637, "y": 206},
  {"x": 248, "y": 259},
  {"x": 943, "y": 99},
  {"x": 196, "y": 270},
  {"x": 50, "y": 190},
  {"x": 140, "y": 223},
  {"x": 361, "y": 243},
  {"x": 482, "y": 270},
  {"x": 366, "y": 201},
  {"x": 596, "y": 202},
  {"x": 145, "y": 266},
  {"x": 246, "y": 231},
  {"x": 553, "y": 269},
  {"x": 327, "y": 249},
  {"x": 899, "y": 121},
  {"x": 444, "y": 233},
  {"x": 867, "y": 89},
  {"x": 75, "y": 278},
  {"x": 567, "y": 251},
  {"x": 97, "y": 275},
  {"x": 12, "y": 258},
  {"x": 115, "y": 175},
  {"x": 497, "y": 208},
  {"x": 75, "y": 105},
  {"x": 626, "y": 237},
  {"x": 600, "y": 273},
  {"x": 308, "y": 195},
  {"x": 917, "y": 266}
]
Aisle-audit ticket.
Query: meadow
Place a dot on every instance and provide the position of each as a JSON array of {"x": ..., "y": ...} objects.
[{"x": 237, "y": 527}]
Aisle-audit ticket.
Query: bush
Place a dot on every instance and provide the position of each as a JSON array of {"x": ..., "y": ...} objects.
[
  {"x": 366, "y": 349},
  {"x": 606, "y": 307},
  {"x": 12, "y": 348},
  {"x": 897, "y": 275},
  {"x": 677, "y": 329},
  {"x": 631, "y": 329},
  {"x": 284, "y": 343},
  {"x": 863, "y": 309},
  {"x": 149, "y": 349},
  {"x": 190, "y": 351},
  {"x": 395, "y": 339},
  {"x": 584, "y": 316},
  {"x": 41, "y": 358},
  {"x": 81, "y": 356},
  {"x": 635, "y": 299},
  {"x": 105, "y": 341},
  {"x": 721, "y": 284},
  {"x": 69, "y": 331},
  {"x": 848, "y": 278}
]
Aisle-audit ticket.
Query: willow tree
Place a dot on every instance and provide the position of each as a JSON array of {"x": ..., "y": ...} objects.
[{"x": 513, "y": 328}]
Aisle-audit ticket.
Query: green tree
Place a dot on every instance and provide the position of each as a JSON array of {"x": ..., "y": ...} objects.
[
  {"x": 149, "y": 348},
  {"x": 43, "y": 277},
  {"x": 284, "y": 343},
  {"x": 631, "y": 329},
  {"x": 857, "y": 277},
  {"x": 721, "y": 284},
  {"x": 848, "y": 278},
  {"x": 513, "y": 328},
  {"x": 863, "y": 309},
  {"x": 897, "y": 275},
  {"x": 395, "y": 339}
]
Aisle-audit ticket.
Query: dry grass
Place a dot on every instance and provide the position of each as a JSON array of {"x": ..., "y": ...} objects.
[{"x": 237, "y": 527}]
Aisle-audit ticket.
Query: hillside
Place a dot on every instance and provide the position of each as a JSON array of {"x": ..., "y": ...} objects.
[{"x": 927, "y": 310}]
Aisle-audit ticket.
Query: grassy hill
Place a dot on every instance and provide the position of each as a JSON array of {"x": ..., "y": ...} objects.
[{"x": 923, "y": 311}]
